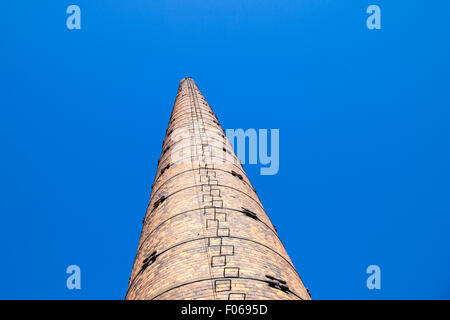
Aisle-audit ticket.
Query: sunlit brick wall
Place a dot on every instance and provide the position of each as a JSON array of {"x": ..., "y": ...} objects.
[{"x": 206, "y": 234}]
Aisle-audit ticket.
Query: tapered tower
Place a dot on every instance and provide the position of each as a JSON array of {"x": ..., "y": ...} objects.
[{"x": 206, "y": 234}]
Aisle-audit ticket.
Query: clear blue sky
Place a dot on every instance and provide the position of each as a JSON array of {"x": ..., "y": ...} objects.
[{"x": 364, "y": 134}]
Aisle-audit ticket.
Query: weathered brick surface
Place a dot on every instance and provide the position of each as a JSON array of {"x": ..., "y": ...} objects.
[{"x": 206, "y": 234}]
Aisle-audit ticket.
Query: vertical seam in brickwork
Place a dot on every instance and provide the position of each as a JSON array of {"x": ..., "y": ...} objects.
[
  {"x": 221, "y": 260},
  {"x": 193, "y": 108}
]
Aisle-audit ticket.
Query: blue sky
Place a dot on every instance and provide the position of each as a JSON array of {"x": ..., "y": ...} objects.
[{"x": 363, "y": 118}]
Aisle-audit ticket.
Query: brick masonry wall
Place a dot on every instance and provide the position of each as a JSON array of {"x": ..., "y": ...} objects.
[{"x": 206, "y": 234}]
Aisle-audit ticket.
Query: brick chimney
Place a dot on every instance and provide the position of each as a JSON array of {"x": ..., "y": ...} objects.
[{"x": 206, "y": 234}]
